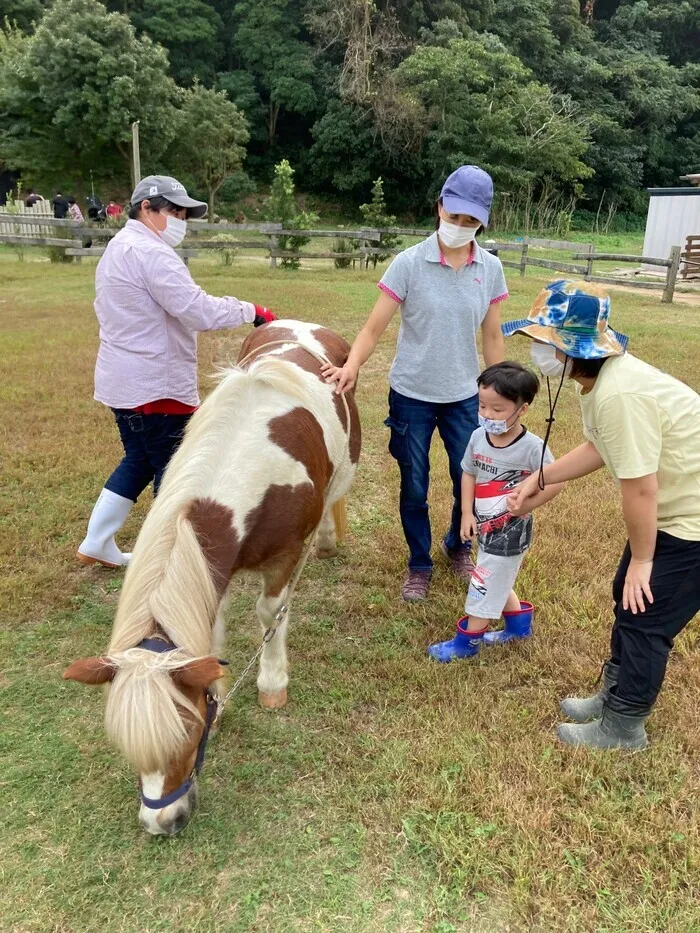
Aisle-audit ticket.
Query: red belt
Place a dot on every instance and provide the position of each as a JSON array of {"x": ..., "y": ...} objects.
[{"x": 165, "y": 406}]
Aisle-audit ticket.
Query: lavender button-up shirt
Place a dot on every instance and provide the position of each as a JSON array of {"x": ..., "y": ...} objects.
[{"x": 149, "y": 310}]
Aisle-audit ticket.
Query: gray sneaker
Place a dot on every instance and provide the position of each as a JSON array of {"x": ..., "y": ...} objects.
[
  {"x": 416, "y": 586},
  {"x": 461, "y": 563}
]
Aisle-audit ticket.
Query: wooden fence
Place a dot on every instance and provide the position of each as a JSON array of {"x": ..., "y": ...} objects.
[
  {"x": 690, "y": 258},
  {"x": 368, "y": 245}
]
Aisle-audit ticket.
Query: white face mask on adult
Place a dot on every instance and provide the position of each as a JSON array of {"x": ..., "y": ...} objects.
[
  {"x": 453, "y": 236},
  {"x": 175, "y": 230},
  {"x": 544, "y": 356}
]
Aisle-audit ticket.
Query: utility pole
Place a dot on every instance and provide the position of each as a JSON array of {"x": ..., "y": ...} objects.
[{"x": 135, "y": 153}]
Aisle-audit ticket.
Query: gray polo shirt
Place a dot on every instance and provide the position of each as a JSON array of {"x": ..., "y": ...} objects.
[{"x": 441, "y": 312}]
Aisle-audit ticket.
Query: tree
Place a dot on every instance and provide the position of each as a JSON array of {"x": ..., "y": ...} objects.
[
  {"x": 189, "y": 30},
  {"x": 211, "y": 139},
  {"x": 484, "y": 106},
  {"x": 266, "y": 44},
  {"x": 23, "y": 14},
  {"x": 375, "y": 216},
  {"x": 281, "y": 207},
  {"x": 69, "y": 93}
]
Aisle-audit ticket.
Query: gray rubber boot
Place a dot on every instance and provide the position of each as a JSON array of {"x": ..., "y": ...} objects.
[
  {"x": 583, "y": 709},
  {"x": 612, "y": 730}
]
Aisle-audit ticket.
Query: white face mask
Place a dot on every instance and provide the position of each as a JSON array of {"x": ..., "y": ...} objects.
[
  {"x": 454, "y": 236},
  {"x": 497, "y": 426},
  {"x": 175, "y": 230},
  {"x": 544, "y": 356}
]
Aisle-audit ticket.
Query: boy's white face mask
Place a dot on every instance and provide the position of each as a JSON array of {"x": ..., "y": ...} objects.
[
  {"x": 498, "y": 426},
  {"x": 544, "y": 356}
]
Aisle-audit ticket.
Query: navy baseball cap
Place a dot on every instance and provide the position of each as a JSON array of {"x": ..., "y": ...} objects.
[
  {"x": 469, "y": 190},
  {"x": 165, "y": 186}
]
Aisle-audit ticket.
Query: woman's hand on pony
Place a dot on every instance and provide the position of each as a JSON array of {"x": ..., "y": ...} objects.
[{"x": 345, "y": 377}]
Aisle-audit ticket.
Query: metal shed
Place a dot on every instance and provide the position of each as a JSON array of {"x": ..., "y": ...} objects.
[{"x": 674, "y": 214}]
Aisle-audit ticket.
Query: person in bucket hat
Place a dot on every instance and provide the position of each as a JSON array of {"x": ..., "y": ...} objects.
[
  {"x": 642, "y": 424},
  {"x": 446, "y": 289},
  {"x": 149, "y": 311}
]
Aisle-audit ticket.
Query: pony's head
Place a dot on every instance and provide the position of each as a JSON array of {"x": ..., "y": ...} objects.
[{"x": 158, "y": 711}]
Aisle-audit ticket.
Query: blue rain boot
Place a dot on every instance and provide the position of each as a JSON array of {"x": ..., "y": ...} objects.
[
  {"x": 517, "y": 625},
  {"x": 463, "y": 645}
]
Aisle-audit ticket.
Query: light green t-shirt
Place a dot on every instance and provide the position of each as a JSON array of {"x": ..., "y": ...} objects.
[{"x": 643, "y": 421}]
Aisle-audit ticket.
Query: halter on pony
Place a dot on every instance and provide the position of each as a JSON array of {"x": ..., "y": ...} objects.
[{"x": 160, "y": 646}]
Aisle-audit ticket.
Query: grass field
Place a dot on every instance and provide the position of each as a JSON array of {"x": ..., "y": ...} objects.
[{"x": 392, "y": 794}]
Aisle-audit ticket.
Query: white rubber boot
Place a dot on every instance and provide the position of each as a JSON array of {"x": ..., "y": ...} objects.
[{"x": 108, "y": 516}]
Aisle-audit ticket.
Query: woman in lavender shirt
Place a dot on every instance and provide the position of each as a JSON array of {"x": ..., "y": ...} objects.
[{"x": 149, "y": 310}]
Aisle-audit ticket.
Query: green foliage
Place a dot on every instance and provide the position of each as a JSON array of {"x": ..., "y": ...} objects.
[
  {"x": 188, "y": 29},
  {"x": 281, "y": 207},
  {"x": 211, "y": 136},
  {"x": 562, "y": 100},
  {"x": 484, "y": 107},
  {"x": 342, "y": 245},
  {"x": 69, "y": 93},
  {"x": 374, "y": 215},
  {"x": 267, "y": 46}
]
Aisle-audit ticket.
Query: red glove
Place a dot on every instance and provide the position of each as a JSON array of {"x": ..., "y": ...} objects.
[{"x": 263, "y": 316}]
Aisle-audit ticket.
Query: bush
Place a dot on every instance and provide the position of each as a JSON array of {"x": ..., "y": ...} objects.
[
  {"x": 226, "y": 255},
  {"x": 58, "y": 253},
  {"x": 342, "y": 245}
]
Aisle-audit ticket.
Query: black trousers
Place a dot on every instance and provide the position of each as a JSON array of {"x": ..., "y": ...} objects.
[{"x": 641, "y": 643}]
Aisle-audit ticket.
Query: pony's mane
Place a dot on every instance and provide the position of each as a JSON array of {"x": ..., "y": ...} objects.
[
  {"x": 169, "y": 582},
  {"x": 146, "y": 716}
]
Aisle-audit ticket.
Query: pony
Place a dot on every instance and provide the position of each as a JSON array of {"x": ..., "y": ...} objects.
[{"x": 265, "y": 461}]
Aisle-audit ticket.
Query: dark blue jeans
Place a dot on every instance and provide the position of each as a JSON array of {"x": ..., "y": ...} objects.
[
  {"x": 412, "y": 425},
  {"x": 149, "y": 442}
]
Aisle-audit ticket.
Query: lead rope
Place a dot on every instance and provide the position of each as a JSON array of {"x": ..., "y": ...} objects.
[{"x": 283, "y": 611}]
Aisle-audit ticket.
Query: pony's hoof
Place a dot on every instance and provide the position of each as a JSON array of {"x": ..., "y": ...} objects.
[
  {"x": 326, "y": 553},
  {"x": 273, "y": 700}
]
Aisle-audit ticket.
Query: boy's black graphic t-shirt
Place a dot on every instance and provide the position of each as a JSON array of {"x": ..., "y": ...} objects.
[{"x": 498, "y": 470}]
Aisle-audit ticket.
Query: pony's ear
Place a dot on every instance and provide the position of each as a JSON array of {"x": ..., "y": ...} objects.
[
  {"x": 90, "y": 671},
  {"x": 198, "y": 673}
]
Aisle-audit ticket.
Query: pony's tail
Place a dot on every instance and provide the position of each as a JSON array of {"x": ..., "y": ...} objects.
[
  {"x": 185, "y": 601},
  {"x": 340, "y": 519}
]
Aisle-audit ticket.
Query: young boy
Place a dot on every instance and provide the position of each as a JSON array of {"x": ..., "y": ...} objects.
[{"x": 501, "y": 453}]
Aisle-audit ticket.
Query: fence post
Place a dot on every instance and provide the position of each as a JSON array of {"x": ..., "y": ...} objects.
[
  {"x": 273, "y": 245},
  {"x": 589, "y": 261},
  {"x": 523, "y": 258},
  {"x": 671, "y": 273}
]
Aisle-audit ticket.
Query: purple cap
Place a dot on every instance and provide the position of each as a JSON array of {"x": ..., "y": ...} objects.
[{"x": 469, "y": 190}]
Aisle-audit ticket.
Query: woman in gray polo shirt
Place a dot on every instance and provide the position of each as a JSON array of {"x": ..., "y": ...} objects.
[{"x": 447, "y": 288}]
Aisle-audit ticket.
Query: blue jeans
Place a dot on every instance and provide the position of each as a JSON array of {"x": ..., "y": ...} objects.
[
  {"x": 412, "y": 425},
  {"x": 149, "y": 442}
]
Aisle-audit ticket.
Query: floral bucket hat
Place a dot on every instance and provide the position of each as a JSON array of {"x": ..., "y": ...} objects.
[{"x": 572, "y": 316}]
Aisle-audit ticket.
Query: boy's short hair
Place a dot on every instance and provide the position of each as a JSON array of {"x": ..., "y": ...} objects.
[{"x": 511, "y": 380}]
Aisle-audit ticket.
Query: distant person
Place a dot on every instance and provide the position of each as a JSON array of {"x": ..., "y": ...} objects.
[
  {"x": 60, "y": 206},
  {"x": 446, "y": 289},
  {"x": 114, "y": 209},
  {"x": 149, "y": 311},
  {"x": 74, "y": 210},
  {"x": 32, "y": 198}
]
